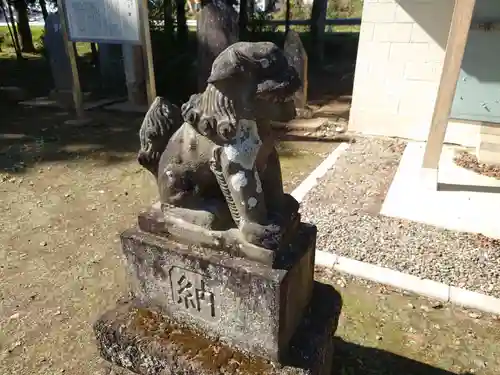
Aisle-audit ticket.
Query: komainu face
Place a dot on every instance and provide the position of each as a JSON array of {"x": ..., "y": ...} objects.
[{"x": 262, "y": 72}]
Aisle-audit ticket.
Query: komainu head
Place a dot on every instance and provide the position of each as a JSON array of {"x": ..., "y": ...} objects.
[{"x": 259, "y": 70}]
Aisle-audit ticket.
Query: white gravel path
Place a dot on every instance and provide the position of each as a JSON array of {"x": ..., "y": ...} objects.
[{"x": 345, "y": 206}]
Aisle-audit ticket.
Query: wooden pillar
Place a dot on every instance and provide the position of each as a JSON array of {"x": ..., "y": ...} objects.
[
  {"x": 455, "y": 47},
  {"x": 147, "y": 52},
  {"x": 72, "y": 56}
]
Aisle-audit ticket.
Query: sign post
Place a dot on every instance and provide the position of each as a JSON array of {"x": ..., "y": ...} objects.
[
  {"x": 71, "y": 52},
  {"x": 106, "y": 21},
  {"x": 147, "y": 53}
]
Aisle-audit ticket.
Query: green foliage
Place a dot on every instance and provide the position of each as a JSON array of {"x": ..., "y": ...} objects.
[
  {"x": 7, "y": 43},
  {"x": 298, "y": 11},
  {"x": 155, "y": 8},
  {"x": 258, "y": 22},
  {"x": 335, "y": 9},
  {"x": 301, "y": 11},
  {"x": 344, "y": 8}
]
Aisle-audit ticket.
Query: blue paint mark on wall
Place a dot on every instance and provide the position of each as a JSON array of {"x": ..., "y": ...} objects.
[{"x": 477, "y": 96}]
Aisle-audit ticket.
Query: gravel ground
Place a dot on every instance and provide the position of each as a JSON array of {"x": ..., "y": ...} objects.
[{"x": 345, "y": 206}]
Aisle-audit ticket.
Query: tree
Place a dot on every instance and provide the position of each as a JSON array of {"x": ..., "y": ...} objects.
[
  {"x": 23, "y": 25},
  {"x": 168, "y": 21},
  {"x": 287, "y": 17},
  {"x": 43, "y": 7},
  {"x": 243, "y": 19},
  {"x": 318, "y": 20},
  {"x": 8, "y": 15},
  {"x": 182, "y": 28}
]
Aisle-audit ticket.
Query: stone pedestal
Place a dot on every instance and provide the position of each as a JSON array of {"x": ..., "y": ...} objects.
[
  {"x": 199, "y": 309},
  {"x": 146, "y": 342},
  {"x": 112, "y": 71},
  {"x": 134, "y": 74},
  {"x": 64, "y": 98}
]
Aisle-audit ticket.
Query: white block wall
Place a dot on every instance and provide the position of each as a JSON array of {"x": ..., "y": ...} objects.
[{"x": 398, "y": 69}]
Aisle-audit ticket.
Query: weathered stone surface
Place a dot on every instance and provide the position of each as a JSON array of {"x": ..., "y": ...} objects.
[
  {"x": 64, "y": 98},
  {"x": 111, "y": 67},
  {"x": 217, "y": 29},
  {"x": 246, "y": 304},
  {"x": 297, "y": 57},
  {"x": 148, "y": 343},
  {"x": 157, "y": 222},
  {"x": 57, "y": 54},
  {"x": 309, "y": 125}
]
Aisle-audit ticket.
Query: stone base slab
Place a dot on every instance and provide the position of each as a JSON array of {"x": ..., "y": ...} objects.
[
  {"x": 127, "y": 106},
  {"x": 246, "y": 304},
  {"x": 148, "y": 343},
  {"x": 302, "y": 124},
  {"x": 12, "y": 93}
]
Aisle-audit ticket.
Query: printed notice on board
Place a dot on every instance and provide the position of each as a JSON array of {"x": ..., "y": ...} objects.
[{"x": 105, "y": 21}]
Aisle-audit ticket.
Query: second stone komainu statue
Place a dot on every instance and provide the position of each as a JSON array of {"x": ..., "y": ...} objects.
[{"x": 215, "y": 161}]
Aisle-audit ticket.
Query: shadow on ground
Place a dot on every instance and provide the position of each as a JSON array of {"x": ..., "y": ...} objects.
[
  {"x": 31, "y": 136},
  {"x": 353, "y": 359},
  {"x": 34, "y": 136}
]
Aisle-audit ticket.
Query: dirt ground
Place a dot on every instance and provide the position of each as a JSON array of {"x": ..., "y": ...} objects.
[
  {"x": 66, "y": 195},
  {"x": 383, "y": 331}
]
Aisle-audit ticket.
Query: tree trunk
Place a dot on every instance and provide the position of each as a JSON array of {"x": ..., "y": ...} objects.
[
  {"x": 43, "y": 6},
  {"x": 287, "y": 17},
  {"x": 11, "y": 25},
  {"x": 23, "y": 26},
  {"x": 243, "y": 19},
  {"x": 168, "y": 25},
  {"x": 182, "y": 29},
  {"x": 318, "y": 20}
]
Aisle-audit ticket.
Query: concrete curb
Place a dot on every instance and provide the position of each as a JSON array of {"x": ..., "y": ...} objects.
[
  {"x": 387, "y": 276},
  {"x": 300, "y": 191},
  {"x": 424, "y": 287}
]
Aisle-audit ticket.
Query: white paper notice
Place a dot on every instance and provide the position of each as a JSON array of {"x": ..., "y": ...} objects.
[{"x": 107, "y": 21}]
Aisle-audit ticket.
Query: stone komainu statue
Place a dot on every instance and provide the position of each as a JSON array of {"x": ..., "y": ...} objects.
[{"x": 214, "y": 159}]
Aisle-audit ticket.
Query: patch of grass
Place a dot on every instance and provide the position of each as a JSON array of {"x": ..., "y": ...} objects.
[
  {"x": 7, "y": 45},
  {"x": 335, "y": 9}
]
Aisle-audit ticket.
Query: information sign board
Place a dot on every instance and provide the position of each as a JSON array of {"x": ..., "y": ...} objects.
[{"x": 103, "y": 21}]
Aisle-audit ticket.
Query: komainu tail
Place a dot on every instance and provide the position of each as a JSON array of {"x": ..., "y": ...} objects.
[{"x": 160, "y": 123}]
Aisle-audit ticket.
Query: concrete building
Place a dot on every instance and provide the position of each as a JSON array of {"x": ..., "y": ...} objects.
[{"x": 427, "y": 67}]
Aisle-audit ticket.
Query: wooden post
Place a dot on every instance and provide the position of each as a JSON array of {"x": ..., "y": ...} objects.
[
  {"x": 147, "y": 52},
  {"x": 71, "y": 51},
  {"x": 457, "y": 40}
]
